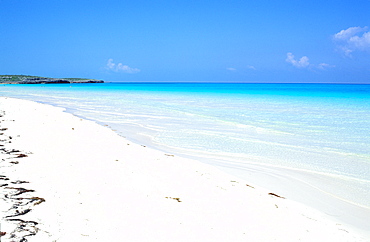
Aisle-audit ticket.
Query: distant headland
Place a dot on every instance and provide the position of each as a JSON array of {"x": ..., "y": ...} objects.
[{"x": 24, "y": 79}]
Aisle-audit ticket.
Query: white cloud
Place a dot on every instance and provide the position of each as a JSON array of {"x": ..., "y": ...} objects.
[
  {"x": 120, "y": 67},
  {"x": 350, "y": 40},
  {"x": 301, "y": 63},
  {"x": 348, "y": 33},
  {"x": 231, "y": 69},
  {"x": 324, "y": 66},
  {"x": 304, "y": 62},
  {"x": 234, "y": 69},
  {"x": 251, "y": 67},
  {"x": 361, "y": 43}
]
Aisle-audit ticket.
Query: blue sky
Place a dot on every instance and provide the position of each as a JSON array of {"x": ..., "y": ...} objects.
[{"x": 188, "y": 41}]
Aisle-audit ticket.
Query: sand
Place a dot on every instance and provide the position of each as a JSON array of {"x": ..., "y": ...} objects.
[{"x": 80, "y": 181}]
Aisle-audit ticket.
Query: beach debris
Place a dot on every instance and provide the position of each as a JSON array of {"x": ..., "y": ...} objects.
[
  {"x": 174, "y": 198},
  {"x": 19, "y": 191},
  {"x": 19, "y": 213},
  {"x": 9, "y": 151},
  {"x": 19, "y": 182},
  {"x": 21, "y": 156},
  {"x": 169, "y": 155},
  {"x": 37, "y": 200},
  {"x": 220, "y": 187},
  {"x": 249, "y": 186},
  {"x": 21, "y": 205},
  {"x": 273, "y": 194},
  {"x": 17, "y": 198},
  {"x": 23, "y": 230},
  {"x": 3, "y": 178}
]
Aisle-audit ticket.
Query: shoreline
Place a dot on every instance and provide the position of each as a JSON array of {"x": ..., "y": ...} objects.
[
  {"x": 112, "y": 188},
  {"x": 318, "y": 190}
]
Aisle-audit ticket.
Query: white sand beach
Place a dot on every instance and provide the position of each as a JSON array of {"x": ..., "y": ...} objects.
[{"x": 83, "y": 182}]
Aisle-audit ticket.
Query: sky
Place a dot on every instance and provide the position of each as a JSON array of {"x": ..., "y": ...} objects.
[{"x": 188, "y": 41}]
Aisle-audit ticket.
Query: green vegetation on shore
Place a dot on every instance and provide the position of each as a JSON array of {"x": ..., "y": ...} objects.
[{"x": 25, "y": 79}]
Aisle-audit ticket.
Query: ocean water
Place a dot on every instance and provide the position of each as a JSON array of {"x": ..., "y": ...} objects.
[{"x": 320, "y": 131}]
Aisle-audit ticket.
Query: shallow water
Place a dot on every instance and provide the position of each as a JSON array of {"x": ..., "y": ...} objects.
[{"x": 321, "y": 130}]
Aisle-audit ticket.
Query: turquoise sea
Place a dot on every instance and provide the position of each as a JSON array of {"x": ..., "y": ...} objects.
[{"x": 319, "y": 131}]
